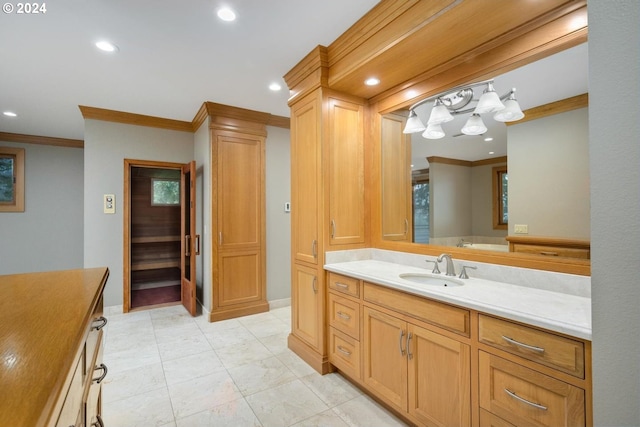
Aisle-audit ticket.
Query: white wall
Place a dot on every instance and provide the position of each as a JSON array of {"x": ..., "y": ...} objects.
[
  {"x": 202, "y": 156},
  {"x": 450, "y": 204},
  {"x": 482, "y": 201},
  {"x": 106, "y": 146},
  {"x": 278, "y": 188},
  {"x": 48, "y": 235},
  {"x": 614, "y": 135},
  {"x": 548, "y": 163}
]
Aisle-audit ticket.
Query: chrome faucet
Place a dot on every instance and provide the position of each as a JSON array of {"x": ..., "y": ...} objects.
[{"x": 451, "y": 269}]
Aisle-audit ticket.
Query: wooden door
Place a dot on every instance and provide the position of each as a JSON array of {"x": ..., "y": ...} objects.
[
  {"x": 385, "y": 361},
  {"x": 346, "y": 172},
  {"x": 190, "y": 241},
  {"x": 439, "y": 378},
  {"x": 397, "y": 221},
  {"x": 305, "y": 179},
  {"x": 307, "y": 321}
]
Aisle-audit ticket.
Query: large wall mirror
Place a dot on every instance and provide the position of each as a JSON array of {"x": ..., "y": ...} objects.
[{"x": 479, "y": 192}]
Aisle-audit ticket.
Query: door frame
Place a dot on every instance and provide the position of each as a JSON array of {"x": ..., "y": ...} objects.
[{"x": 126, "y": 215}]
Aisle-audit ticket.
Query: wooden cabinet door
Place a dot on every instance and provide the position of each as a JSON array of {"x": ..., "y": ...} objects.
[
  {"x": 239, "y": 278},
  {"x": 385, "y": 362},
  {"x": 397, "y": 218},
  {"x": 190, "y": 241},
  {"x": 346, "y": 172},
  {"x": 307, "y": 306},
  {"x": 238, "y": 189},
  {"x": 306, "y": 179},
  {"x": 439, "y": 378}
]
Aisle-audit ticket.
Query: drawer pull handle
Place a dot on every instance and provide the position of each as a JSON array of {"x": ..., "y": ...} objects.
[
  {"x": 519, "y": 344},
  {"x": 98, "y": 422},
  {"x": 104, "y": 373},
  {"x": 342, "y": 285},
  {"x": 515, "y": 396},
  {"x": 314, "y": 248},
  {"x": 344, "y": 315},
  {"x": 549, "y": 253},
  {"x": 313, "y": 285},
  {"x": 344, "y": 350},
  {"x": 409, "y": 354},
  {"x": 103, "y": 323},
  {"x": 400, "y": 342}
]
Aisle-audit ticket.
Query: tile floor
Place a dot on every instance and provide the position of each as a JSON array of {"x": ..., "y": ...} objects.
[{"x": 167, "y": 368}]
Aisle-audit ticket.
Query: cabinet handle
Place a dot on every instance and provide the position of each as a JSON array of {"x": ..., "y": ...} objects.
[
  {"x": 344, "y": 315},
  {"x": 98, "y": 422},
  {"x": 333, "y": 228},
  {"x": 400, "y": 342},
  {"x": 548, "y": 253},
  {"x": 197, "y": 244},
  {"x": 103, "y": 323},
  {"x": 344, "y": 350},
  {"x": 406, "y": 226},
  {"x": 515, "y": 396},
  {"x": 187, "y": 245},
  {"x": 220, "y": 237},
  {"x": 409, "y": 354},
  {"x": 313, "y": 285},
  {"x": 519, "y": 344},
  {"x": 342, "y": 285},
  {"x": 314, "y": 248},
  {"x": 104, "y": 373}
]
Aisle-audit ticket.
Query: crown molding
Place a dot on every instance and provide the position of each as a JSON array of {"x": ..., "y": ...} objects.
[
  {"x": 94, "y": 113},
  {"x": 41, "y": 140}
]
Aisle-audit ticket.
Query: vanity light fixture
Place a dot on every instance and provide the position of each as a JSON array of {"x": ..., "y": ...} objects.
[{"x": 459, "y": 101}]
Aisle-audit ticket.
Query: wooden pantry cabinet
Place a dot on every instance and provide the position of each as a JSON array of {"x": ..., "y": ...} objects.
[
  {"x": 327, "y": 207},
  {"x": 436, "y": 364}
]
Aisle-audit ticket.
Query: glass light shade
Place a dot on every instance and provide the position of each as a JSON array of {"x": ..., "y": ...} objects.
[
  {"x": 474, "y": 126},
  {"x": 439, "y": 114},
  {"x": 433, "y": 132},
  {"x": 489, "y": 102},
  {"x": 414, "y": 124},
  {"x": 511, "y": 112}
]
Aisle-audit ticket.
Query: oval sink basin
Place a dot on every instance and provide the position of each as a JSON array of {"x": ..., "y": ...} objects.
[{"x": 426, "y": 279}]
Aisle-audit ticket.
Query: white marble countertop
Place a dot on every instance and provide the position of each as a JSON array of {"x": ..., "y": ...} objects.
[{"x": 555, "y": 311}]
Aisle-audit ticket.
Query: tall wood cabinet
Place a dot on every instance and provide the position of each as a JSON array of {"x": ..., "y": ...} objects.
[
  {"x": 327, "y": 205},
  {"x": 237, "y": 149}
]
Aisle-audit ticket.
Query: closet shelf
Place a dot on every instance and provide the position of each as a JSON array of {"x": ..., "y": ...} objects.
[
  {"x": 152, "y": 265},
  {"x": 155, "y": 239}
]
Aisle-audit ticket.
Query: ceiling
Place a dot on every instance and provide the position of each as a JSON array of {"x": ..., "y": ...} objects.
[{"x": 173, "y": 56}]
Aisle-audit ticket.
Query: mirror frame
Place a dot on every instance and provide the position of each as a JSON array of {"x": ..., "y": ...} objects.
[{"x": 523, "y": 49}]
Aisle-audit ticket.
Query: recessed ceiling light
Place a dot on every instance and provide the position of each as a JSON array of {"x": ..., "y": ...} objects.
[
  {"x": 275, "y": 87},
  {"x": 226, "y": 14},
  {"x": 10, "y": 114},
  {"x": 489, "y": 139},
  {"x": 372, "y": 81},
  {"x": 106, "y": 46},
  {"x": 492, "y": 152}
]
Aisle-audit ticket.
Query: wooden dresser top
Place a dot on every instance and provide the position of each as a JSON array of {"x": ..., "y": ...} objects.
[{"x": 43, "y": 322}]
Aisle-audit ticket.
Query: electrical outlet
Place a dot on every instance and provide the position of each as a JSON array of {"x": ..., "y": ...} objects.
[
  {"x": 521, "y": 229},
  {"x": 109, "y": 203}
]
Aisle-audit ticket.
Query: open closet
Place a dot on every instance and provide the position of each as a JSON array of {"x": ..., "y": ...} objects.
[{"x": 155, "y": 236}]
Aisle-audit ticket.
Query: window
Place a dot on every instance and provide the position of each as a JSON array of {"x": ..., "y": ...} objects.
[
  {"x": 11, "y": 179},
  {"x": 165, "y": 192},
  {"x": 421, "y": 212},
  {"x": 500, "y": 199}
]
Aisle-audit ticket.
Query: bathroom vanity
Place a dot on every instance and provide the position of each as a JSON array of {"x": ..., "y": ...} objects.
[{"x": 442, "y": 350}]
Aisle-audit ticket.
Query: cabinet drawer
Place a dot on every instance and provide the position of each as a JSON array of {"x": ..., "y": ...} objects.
[
  {"x": 448, "y": 317},
  {"x": 344, "y": 315},
  {"x": 487, "y": 419},
  {"x": 552, "y": 251},
  {"x": 344, "y": 353},
  {"x": 344, "y": 284},
  {"x": 72, "y": 407},
  {"x": 523, "y": 396},
  {"x": 551, "y": 350}
]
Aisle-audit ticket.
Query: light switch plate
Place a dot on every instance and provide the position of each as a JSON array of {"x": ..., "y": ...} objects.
[
  {"x": 287, "y": 207},
  {"x": 109, "y": 203},
  {"x": 521, "y": 229}
]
